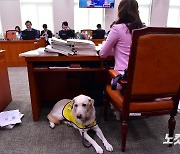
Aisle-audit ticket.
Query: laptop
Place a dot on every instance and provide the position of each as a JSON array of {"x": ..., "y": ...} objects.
[
  {"x": 29, "y": 35},
  {"x": 98, "y": 34},
  {"x": 65, "y": 34}
]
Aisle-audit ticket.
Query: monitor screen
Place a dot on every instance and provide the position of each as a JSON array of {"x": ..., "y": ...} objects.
[
  {"x": 96, "y": 3},
  {"x": 28, "y": 35},
  {"x": 98, "y": 34},
  {"x": 66, "y": 34}
]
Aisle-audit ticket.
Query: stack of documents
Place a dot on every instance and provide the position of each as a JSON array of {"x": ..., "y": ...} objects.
[
  {"x": 59, "y": 46},
  {"x": 8, "y": 119},
  {"x": 71, "y": 47},
  {"x": 50, "y": 49},
  {"x": 83, "y": 47}
]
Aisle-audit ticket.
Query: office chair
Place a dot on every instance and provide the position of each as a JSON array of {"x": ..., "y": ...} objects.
[
  {"x": 152, "y": 87},
  {"x": 10, "y": 34}
]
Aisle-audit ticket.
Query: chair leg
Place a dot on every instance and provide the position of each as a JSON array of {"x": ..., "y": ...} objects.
[
  {"x": 124, "y": 131},
  {"x": 171, "y": 126}
]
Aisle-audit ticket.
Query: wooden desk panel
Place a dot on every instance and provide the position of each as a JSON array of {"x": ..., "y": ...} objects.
[
  {"x": 97, "y": 41},
  {"x": 51, "y": 85},
  {"x": 5, "y": 92},
  {"x": 15, "y": 47}
]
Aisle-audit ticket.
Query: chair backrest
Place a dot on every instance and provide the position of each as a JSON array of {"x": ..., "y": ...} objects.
[
  {"x": 154, "y": 63},
  {"x": 10, "y": 34}
]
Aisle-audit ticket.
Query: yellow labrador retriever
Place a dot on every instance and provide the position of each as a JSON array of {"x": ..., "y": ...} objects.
[{"x": 80, "y": 113}]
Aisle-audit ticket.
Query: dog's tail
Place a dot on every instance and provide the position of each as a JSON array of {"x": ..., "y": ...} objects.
[{"x": 53, "y": 119}]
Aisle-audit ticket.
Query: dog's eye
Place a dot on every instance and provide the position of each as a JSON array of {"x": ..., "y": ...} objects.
[
  {"x": 76, "y": 105},
  {"x": 84, "y": 105}
]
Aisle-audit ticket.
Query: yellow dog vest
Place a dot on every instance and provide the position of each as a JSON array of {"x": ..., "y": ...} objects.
[{"x": 68, "y": 115}]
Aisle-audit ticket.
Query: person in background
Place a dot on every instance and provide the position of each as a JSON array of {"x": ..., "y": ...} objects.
[
  {"x": 66, "y": 32},
  {"x": 46, "y": 33},
  {"x": 120, "y": 37},
  {"x": 99, "y": 33},
  {"x": 65, "y": 25},
  {"x": 29, "y": 28},
  {"x": 99, "y": 27},
  {"x": 18, "y": 30}
]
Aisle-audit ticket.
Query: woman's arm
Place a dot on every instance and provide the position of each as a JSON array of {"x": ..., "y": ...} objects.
[{"x": 109, "y": 44}]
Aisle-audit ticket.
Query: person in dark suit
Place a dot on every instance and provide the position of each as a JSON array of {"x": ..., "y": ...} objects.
[
  {"x": 46, "y": 33},
  {"x": 29, "y": 28},
  {"x": 66, "y": 32},
  {"x": 99, "y": 33}
]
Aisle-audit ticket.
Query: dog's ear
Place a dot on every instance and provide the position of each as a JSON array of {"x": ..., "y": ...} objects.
[{"x": 91, "y": 101}]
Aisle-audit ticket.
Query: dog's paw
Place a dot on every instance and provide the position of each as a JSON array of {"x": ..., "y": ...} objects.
[
  {"x": 98, "y": 149},
  {"x": 108, "y": 146},
  {"x": 51, "y": 125}
]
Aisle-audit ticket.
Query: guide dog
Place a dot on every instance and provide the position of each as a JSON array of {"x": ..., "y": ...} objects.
[{"x": 79, "y": 113}]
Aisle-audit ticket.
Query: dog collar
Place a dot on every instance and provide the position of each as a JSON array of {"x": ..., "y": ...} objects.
[{"x": 68, "y": 115}]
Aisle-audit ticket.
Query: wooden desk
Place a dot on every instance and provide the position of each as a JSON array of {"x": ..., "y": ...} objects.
[
  {"x": 50, "y": 85},
  {"x": 15, "y": 47},
  {"x": 5, "y": 92},
  {"x": 97, "y": 41}
]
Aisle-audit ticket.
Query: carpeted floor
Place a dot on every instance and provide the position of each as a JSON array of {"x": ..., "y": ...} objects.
[{"x": 145, "y": 136}]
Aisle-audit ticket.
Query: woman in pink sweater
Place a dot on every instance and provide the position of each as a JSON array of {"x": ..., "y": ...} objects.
[{"x": 119, "y": 39}]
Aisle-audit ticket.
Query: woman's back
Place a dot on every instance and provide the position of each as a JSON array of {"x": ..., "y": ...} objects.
[{"x": 119, "y": 40}]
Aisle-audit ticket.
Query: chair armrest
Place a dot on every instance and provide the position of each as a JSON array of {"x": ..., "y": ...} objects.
[{"x": 114, "y": 74}]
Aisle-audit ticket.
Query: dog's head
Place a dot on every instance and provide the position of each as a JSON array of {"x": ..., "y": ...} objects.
[{"x": 83, "y": 108}]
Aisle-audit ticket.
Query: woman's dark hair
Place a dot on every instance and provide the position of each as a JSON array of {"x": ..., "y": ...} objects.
[
  {"x": 19, "y": 29},
  {"x": 128, "y": 14},
  {"x": 113, "y": 23}
]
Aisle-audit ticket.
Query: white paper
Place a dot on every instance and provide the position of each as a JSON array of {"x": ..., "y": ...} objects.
[
  {"x": 178, "y": 108},
  {"x": 10, "y": 117},
  {"x": 134, "y": 114}
]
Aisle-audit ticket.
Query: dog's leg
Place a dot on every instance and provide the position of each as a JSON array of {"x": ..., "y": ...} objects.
[
  {"x": 93, "y": 142},
  {"x": 51, "y": 124},
  {"x": 101, "y": 136},
  {"x": 69, "y": 124}
]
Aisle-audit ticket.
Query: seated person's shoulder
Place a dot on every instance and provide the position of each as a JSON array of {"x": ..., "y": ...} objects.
[
  {"x": 34, "y": 29},
  {"x": 104, "y": 31}
]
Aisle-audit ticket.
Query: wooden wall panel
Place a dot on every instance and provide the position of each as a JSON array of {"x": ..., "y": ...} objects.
[
  {"x": 15, "y": 47},
  {"x": 5, "y": 92}
]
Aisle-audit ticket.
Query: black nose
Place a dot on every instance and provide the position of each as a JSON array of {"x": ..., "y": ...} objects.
[{"x": 79, "y": 116}]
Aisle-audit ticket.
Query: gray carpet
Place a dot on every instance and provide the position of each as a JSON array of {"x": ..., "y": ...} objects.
[{"x": 145, "y": 136}]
